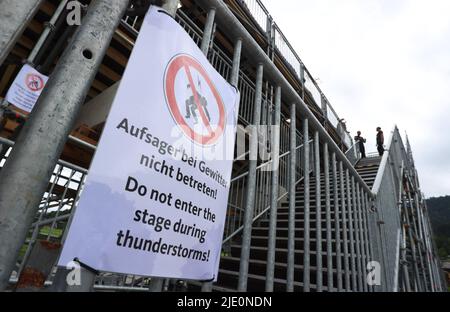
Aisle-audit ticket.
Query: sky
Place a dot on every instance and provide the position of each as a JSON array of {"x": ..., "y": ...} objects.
[{"x": 381, "y": 63}]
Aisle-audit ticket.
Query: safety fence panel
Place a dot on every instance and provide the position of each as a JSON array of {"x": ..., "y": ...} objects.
[
  {"x": 193, "y": 30},
  {"x": 258, "y": 12},
  {"x": 333, "y": 118},
  {"x": 311, "y": 87},
  {"x": 221, "y": 62},
  {"x": 288, "y": 53}
]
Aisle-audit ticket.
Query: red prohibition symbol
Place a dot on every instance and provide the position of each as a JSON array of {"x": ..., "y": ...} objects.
[
  {"x": 188, "y": 64},
  {"x": 34, "y": 82}
]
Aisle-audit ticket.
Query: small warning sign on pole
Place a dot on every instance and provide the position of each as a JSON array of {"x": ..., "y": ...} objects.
[
  {"x": 26, "y": 88},
  {"x": 155, "y": 200}
]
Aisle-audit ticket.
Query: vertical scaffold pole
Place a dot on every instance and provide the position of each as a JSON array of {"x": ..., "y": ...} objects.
[
  {"x": 368, "y": 234},
  {"x": 270, "y": 272},
  {"x": 306, "y": 226},
  {"x": 350, "y": 230},
  {"x": 208, "y": 31},
  {"x": 422, "y": 241},
  {"x": 14, "y": 18},
  {"x": 406, "y": 281},
  {"x": 358, "y": 255},
  {"x": 427, "y": 226},
  {"x": 326, "y": 170},
  {"x": 344, "y": 228},
  {"x": 206, "y": 43},
  {"x": 171, "y": 6},
  {"x": 292, "y": 198},
  {"x": 363, "y": 259},
  {"x": 234, "y": 79},
  {"x": 412, "y": 207},
  {"x": 251, "y": 187},
  {"x": 42, "y": 139},
  {"x": 319, "y": 273},
  {"x": 366, "y": 237},
  {"x": 337, "y": 223},
  {"x": 412, "y": 243},
  {"x": 427, "y": 248},
  {"x": 50, "y": 28}
]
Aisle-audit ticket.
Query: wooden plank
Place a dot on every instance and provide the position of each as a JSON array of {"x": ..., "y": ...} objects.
[
  {"x": 124, "y": 39},
  {"x": 99, "y": 86},
  {"x": 92, "y": 93},
  {"x": 26, "y": 42},
  {"x": 108, "y": 72},
  {"x": 117, "y": 56},
  {"x": 36, "y": 27},
  {"x": 48, "y": 8},
  {"x": 20, "y": 52}
]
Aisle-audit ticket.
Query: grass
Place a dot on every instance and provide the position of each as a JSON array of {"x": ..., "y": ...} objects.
[
  {"x": 43, "y": 233},
  {"x": 54, "y": 233}
]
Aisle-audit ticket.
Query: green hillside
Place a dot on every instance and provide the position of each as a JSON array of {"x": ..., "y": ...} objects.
[{"x": 439, "y": 210}]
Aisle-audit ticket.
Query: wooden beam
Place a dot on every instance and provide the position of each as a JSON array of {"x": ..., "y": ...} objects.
[
  {"x": 124, "y": 39},
  {"x": 48, "y": 8},
  {"x": 36, "y": 27},
  {"x": 117, "y": 56},
  {"x": 99, "y": 86},
  {"x": 20, "y": 52},
  {"x": 108, "y": 72},
  {"x": 26, "y": 42}
]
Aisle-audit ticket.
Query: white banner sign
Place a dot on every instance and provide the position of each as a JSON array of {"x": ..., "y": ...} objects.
[
  {"x": 156, "y": 196},
  {"x": 26, "y": 88}
]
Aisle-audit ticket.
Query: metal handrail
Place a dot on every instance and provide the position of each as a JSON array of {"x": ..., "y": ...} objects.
[
  {"x": 267, "y": 208},
  {"x": 260, "y": 215},
  {"x": 61, "y": 162},
  {"x": 266, "y": 163},
  {"x": 354, "y": 145},
  {"x": 384, "y": 162},
  {"x": 230, "y": 23},
  {"x": 292, "y": 50}
]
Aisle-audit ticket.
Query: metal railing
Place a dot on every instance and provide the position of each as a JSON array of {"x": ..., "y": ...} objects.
[
  {"x": 64, "y": 208},
  {"x": 353, "y": 153},
  {"x": 56, "y": 208},
  {"x": 261, "y": 15},
  {"x": 401, "y": 212},
  {"x": 238, "y": 191},
  {"x": 347, "y": 198},
  {"x": 223, "y": 63}
]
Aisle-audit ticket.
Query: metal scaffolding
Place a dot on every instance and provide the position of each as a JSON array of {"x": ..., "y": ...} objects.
[{"x": 314, "y": 217}]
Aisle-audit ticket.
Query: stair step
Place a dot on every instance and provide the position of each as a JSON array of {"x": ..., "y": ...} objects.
[
  {"x": 299, "y": 244},
  {"x": 298, "y": 223},
  {"x": 259, "y": 267}
]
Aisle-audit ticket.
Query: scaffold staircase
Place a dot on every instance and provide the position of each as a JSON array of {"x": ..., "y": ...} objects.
[
  {"x": 229, "y": 267},
  {"x": 230, "y": 262},
  {"x": 368, "y": 169}
]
